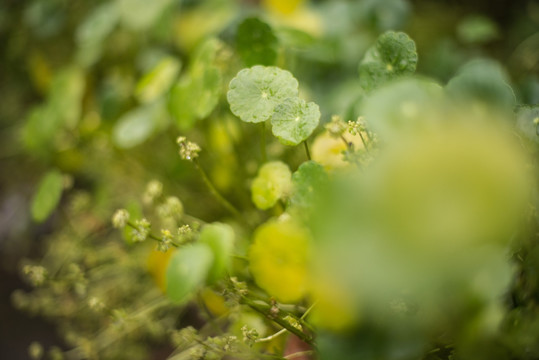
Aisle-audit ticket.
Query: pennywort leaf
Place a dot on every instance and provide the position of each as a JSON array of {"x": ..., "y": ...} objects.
[
  {"x": 294, "y": 120},
  {"x": 393, "y": 55},
  {"x": 256, "y": 43},
  {"x": 405, "y": 105},
  {"x": 255, "y": 92},
  {"x": 47, "y": 196},
  {"x": 482, "y": 81},
  {"x": 307, "y": 182}
]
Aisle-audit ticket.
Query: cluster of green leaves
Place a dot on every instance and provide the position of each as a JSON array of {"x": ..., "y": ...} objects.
[{"x": 258, "y": 249}]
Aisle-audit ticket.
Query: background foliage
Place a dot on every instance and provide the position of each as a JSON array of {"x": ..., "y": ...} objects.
[{"x": 95, "y": 93}]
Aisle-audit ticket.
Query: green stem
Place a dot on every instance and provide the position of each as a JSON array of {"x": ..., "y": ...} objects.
[
  {"x": 284, "y": 330},
  {"x": 263, "y": 143},
  {"x": 265, "y": 310},
  {"x": 150, "y": 235},
  {"x": 348, "y": 145},
  {"x": 307, "y": 150},
  {"x": 224, "y": 202},
  {"x": 363, "y": 141}
]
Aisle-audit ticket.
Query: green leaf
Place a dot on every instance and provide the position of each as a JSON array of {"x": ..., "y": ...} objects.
[
  {"x": 220, "y": 238},
  {"x": 307, "y": 182},
  {"x": 256, "y": 43},
  {"x": 47, "y": 196},
  {"x": 197, "y": 93},
  {"x": 67, "y": 90},
  {"x": 483, "y": 81},
  {"x": 40, "y": 129},
  {"x": 255, "y": 92},
  {"x": 139, "y": 15},
  {"x": 182, "y": 103},
  {"x": 383, "y": 14},
  {"x": 62, "y": 110},
  {"x": 187, "y": 270},
  {"x": 294, "y": 120},
  {"x": 94, "y": 30},
  {"x": 393, "y": 55},
  {"x": 476, "y": 29},
  {"x": 136, "y": 126},
  {"x": 156, "y": 82},
  {"x": 401, "y": 106}
]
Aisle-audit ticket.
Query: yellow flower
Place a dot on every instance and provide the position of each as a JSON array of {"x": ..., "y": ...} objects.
[
  {"x": 328, "y": 150},
  {"x": 279, "y": 259}
]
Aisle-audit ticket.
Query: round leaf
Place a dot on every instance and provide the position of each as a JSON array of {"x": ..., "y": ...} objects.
[
  {"x": 307, "y": 181},
  {"x": 393, "y": 55},
  {"x": 405, "y": 105},
  {"x": 47, "y": 196},
  {"x": 294, "y": 120},
  {"x": 255, "y": 92},
  {"x": 187, "y": 270},
  {"x": 220, "y": 238},
  {"x": 484, "y": 81},
  {"x": 256, "y": 42}
]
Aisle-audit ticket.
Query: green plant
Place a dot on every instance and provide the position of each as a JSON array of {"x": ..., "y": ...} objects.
[{"x": 403, "y": 227}]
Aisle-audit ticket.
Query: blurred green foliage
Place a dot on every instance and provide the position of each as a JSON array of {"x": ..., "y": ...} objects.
[{"x": 94, "y": 94}]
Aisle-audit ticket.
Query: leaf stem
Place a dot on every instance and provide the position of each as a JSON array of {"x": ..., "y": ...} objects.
[
  {"x": 348, "y": 145},
  {"x": 263, "y": 143},
  {"x": 224, "y": 202},
  {"x": 307, "y": 150},
  {"x": 363, "y": 141}
]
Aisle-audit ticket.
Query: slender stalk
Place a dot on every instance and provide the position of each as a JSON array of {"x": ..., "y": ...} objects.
[
  {"x": 363, "y": 141},
  {"x": 307, "y": 150},
  {"x": 224, "y": 202},
  {"x": 283, "y": 330},
  {"x": 263, "y": 142},
  {"x": 150, "y": 235},
  {"x": 345, "y": 142},
  {"x": 264, "y": 309}
]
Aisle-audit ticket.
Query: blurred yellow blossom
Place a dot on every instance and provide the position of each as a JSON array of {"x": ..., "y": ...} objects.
[{"x": 279, "y": 259}]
